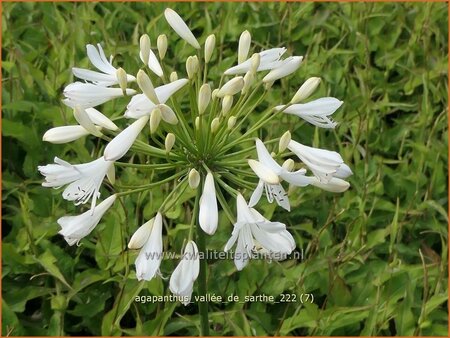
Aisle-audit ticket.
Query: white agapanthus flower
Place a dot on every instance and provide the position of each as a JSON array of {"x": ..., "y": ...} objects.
[
  {"x": 74, "y": 228},
  {"x": 253, "y": 232},
  {"x": 108, "y": 73},
  {"x": 148, "y": 238},
  {"x": 208, "y": 215},
  {"x": 183, "y": 277},
  {"x": 269, "y": 59}
]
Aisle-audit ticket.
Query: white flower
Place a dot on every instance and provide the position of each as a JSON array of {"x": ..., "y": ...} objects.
[
  {"x": 287, "y": 67},
  {"x": 254, "y": 233},
  {"x": 274, "y": 190},
  {"x": 316, "y": 112},
  {"x": 244, "y": 46},
  {"x": 183, "y": 277},
  {"x": 208, "y": 214},
  {"x": 64, "y": 134},
  {"x": 88, "y": 95},
  {"x": 269, "y": 59},
  {"x": 180, "y": 27},
  {"x": 108, "y": 73},
  {"x": 120, "y": 144},
  {"x": 140, "y": 105},
  {"x": 84, "y": 180},
  {"x": 74, "y": 228},
  {"x": 148, "y": 238},
  {"x": 323, "y": 163},
  {"x": 334, "y": 185},
  {"x": 306, "y": 89}
]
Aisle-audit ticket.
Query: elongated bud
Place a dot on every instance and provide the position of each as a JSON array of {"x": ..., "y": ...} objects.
[
  {"x": 161, "y": 43},
  {"x": 288, "y": 164},
  {"x": 155, "y": 119},
  {"x": 141, "y": 235},
  {"x": 192, "y": 66},
  {"x": 84, "y": 120},
  {"x": 173, "y": 76},
  {"x": 146, "y": 86},
  {"x": 227, "y": 102},
  {"x": 180, "y": 27},
  {"x": 214, "y": 93},
  {"x": 215, "y": 124},
  {"x": 231, "y": 122},
  {"x": 249, "y": 78},
  {"x": 256, "y": 60},
  {"x": 284, "y": 141},
  {"x": 204, "y": 96},
  {"x": 232, "y": 87},
  {"x": 306, "y": 89},
  {"x": 264, "y": 172},
  {"x": 122, "y": 79},
  {"x": 210, "y": 44},
  {"x": 64, "y": 134},
  {"x": 244, "y": 46},
  {"x": 194, "y": 178},
  {"x": 169, "y": 142},
  {"x": 288, "y": 66},
  {"x": 197, "y": 122},
  {"x": 144, "y": 44}
]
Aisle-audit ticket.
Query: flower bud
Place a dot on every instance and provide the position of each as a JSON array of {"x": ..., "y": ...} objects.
[
  {"x": 169, "y": 142},
  {"x": 122, "y": 79},
  {"x": 288, "y": 66},
  {"x": 256, "y": 60},
  {"x": 180, "y": 27},
  {"x": 192, "y": 66},
  {"x": 249, "y": 78},
  {"x": 204, "y": 96},
  {"x": 288, "y": 164},
  {"x": 144, "y": 44},
  {"x": 173, "y": 76},
  {"x": 232, "y": 87},
  {"x": 210, "y": 44},
  {"x": 197, "y": 122},
  {"x": 155, "y": 119},
  {"x": 146, "y": 86},
  {"x": 231, "y": 122},
  {"x": 141, "y": 235},
  {"x": 162, "y": 45},
  {"x": 306, "y": 89},
  {"x": 284, "y": 141},
  {"x": 244, "y": 46},
  {"x": 215, "y": 124},
  {"x": 194, "y": 178},
  {"x": 214, "y": 93},
  {"x": 227, "y": 102}
]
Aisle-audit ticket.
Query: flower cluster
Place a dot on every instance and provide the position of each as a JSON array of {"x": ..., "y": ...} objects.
[{"x": 201, "y": 139}]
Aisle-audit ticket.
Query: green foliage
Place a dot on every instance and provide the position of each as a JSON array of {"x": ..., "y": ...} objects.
[{"x": 375, "y": 257}]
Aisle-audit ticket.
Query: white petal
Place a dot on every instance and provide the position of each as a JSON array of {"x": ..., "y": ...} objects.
[
  {"x": 154, "y": 65},
  {"x": 208, "y": 214},
  {"x": 99, "y": 60},
  {"x": 264, "y": 172},
  {"x": 344, "y": 171},
  {"x": 180, "y": 27},
  {"x": 100, "y": 79},
  {"x": 265, "y": 158},
  {"x": 164, "y": 92},
  {"x": 288, "y": 66},
  {"x": 64, "y": 134},
  {"x": 100, "y": 119},
  {"x": 85, "y": 121},
  {"x": 256, "y": 196},
  {"x": 333, "y": 185},
  {"x": 323, "y": 106}
]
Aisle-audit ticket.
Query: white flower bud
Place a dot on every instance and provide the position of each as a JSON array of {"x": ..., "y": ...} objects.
[
  {"x": 284, "y": 141},
  {"x": 204, "y": 96},
  {"x": 192, "y": 66},
  {"x": 288, "y": 66},
  {"x": 249, "y": 78},
  {"x": 244, "y": 46},
  {"x": 255, "y": 61},
  {"x": 155, "y": 119},
  {"x": 214, "y": 93},
  {"x": 173, "y": 76},
  {"x": 146, "y": 86},
  {"x": 144, "y": 44},
  {"x": 232, "y": 87},
  {"x": 231, "y": 122},
  {"x": 210, "y": 44},
  {"x": 215, "y": 124},
  {"x": 180, "y": 27},
  {"x": 64, "y": 134},
  {"x": 194, "y": 178},
  {"x": 288, "y": 164},
  {"x": 197, "y": 122},
  {"x": 227, "y": 102},
  {"x": 141, "y": 235},
  {"x": 161, "y": 42},
  {"x": 122, "y": 79},
  {"x": 169, "y": 142},
  {"x": 306, "y": 89}
]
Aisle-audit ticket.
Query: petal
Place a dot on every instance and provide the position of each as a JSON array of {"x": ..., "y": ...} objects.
[
  {"x": 256, "y": 196},
  {"x": 180, "y": 27},
  {"x": 264, "y": 172},
  {"x": 98, "y": 59},
  {"x": 208, "y": 214},
  {"x": 100, "y": 119},
  {"x": 289, "y": 65},
  {"x": 154, "y": 65}
]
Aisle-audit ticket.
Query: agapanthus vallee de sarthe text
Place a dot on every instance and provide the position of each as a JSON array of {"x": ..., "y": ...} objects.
[{"x": 202, "y": 133}]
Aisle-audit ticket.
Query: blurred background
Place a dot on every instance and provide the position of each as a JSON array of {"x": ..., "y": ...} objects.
[{"x": 375, "y": 257}]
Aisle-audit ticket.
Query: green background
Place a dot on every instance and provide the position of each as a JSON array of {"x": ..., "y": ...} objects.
[{"x": 375, "y": 256}]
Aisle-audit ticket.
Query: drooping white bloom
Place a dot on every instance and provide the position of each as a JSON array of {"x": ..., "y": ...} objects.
[
  {"x": 208, "y": 214},
  {"x": 108, "y": 73},
  {"x": 88, "y": 95},
  {"x": 316, "y": 112},
  {"x": 140, "y": 105},
  {"x": 274, "y": 190},
  {"x": 255, "y": 233},
  {"x": 64, "y": 134},
  {"x": 148, "y": 238},
  {"x": 84, "y": 180},
  {"x": 287, "y": 67},
  {"x": 74, "y": 228},
  {"x": 180, "y": 27},
  {"x": 323, "y": 163},
  {"x": 120, "y": 144},
  {"x": 268, "y": 59},
  {"x": 183, "y": 277}
]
